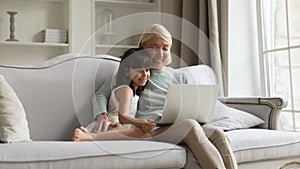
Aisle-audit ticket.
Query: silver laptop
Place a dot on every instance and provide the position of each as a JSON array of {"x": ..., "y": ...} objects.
[{"x": 189, "y": 101}]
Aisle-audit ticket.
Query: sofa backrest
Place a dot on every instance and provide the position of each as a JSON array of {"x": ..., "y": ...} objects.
[
  {"x": 199, "y": 74},
  {"x": 57, "y": 94}
]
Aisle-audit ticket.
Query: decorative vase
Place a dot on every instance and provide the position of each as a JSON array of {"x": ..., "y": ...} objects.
[
  {"x": 108, "y": 18},
  {"x": 109, "y": 30},
  {"x": 12, "y": 26}
]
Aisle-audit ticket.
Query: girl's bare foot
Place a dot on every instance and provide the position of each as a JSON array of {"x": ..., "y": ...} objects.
[
  {"x": 84, "y": 129},
  {"x": 81, "y": 134}
]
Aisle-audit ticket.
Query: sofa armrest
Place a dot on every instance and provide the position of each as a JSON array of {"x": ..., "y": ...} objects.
[{"x": 267, "y": 109}]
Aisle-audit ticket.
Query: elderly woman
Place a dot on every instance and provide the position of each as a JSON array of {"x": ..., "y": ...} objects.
[{"x": 208, "y": 144}]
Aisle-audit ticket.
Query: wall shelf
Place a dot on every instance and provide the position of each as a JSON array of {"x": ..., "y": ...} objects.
[
  {"x": 129, "y": 3},
  {"x": 33, "y": 44},
  {"x": 116, "y": 46}
]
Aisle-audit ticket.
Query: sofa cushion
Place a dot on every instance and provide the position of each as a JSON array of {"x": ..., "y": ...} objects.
[
  {"x": 199, "y": 74},
  {"x": 230, "y": 118},
  {"x": 13, "y": 122},
  {"x": 262, "y": 144},
  {"x": 127, "y": 154}
]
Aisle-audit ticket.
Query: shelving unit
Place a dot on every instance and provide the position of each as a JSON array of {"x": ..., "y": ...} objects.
[
  {"x": 32, "y": 17},
  {"x": 120, "y": 28},
  {"x": 84, "y": 21}
]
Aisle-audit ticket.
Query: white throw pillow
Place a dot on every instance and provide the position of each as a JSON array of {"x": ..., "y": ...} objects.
[
  {"x": 13, "y": 123},
  {"x": 230, "y": 118}
]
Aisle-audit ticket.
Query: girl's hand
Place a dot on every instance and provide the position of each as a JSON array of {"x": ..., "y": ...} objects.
[
  {"x": 114, "y": 125},
  {"x": 148, "y": 125}
]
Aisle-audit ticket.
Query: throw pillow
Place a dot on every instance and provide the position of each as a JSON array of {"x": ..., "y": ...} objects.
[
  {"x": 13, "y": 123},
  {"x": 230, "y": 118}
]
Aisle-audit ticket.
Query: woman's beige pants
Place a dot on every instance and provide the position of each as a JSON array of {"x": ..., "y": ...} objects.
[{"x": 208, "y": 143}]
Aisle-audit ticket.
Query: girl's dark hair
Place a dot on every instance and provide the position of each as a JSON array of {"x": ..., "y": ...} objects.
[{"x": 134, "y": 58}]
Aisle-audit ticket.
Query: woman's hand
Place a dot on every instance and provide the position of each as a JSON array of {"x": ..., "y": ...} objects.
[{"x": 103, "y": 123}]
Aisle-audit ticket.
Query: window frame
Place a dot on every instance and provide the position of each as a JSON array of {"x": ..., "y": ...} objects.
[{"x": 266, "y": 64}]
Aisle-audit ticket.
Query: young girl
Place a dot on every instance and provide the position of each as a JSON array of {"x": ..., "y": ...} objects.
[{"x": 132, "y": 76}]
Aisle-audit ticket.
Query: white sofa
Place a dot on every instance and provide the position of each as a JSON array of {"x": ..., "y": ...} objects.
[{"x": 57, "y": 97}]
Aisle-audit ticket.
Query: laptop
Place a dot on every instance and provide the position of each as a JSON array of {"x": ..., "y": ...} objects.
[{"x": 189, "y": 101}]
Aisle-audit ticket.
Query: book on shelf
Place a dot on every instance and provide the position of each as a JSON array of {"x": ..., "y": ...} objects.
[
  {"x": 55, "y": 31},
  {"x": 54, "y": 36}
]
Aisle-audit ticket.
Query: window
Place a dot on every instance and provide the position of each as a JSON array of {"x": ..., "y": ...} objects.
[{"x": 280, "y": 55}]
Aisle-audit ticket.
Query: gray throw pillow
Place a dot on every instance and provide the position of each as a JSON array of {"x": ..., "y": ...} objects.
[
  {"x": 229, "y": 118},
  {"x": 13, "y": 122}
]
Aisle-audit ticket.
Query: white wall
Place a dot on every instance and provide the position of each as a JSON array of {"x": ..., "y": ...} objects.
[{"x": 243, "y": 56}]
